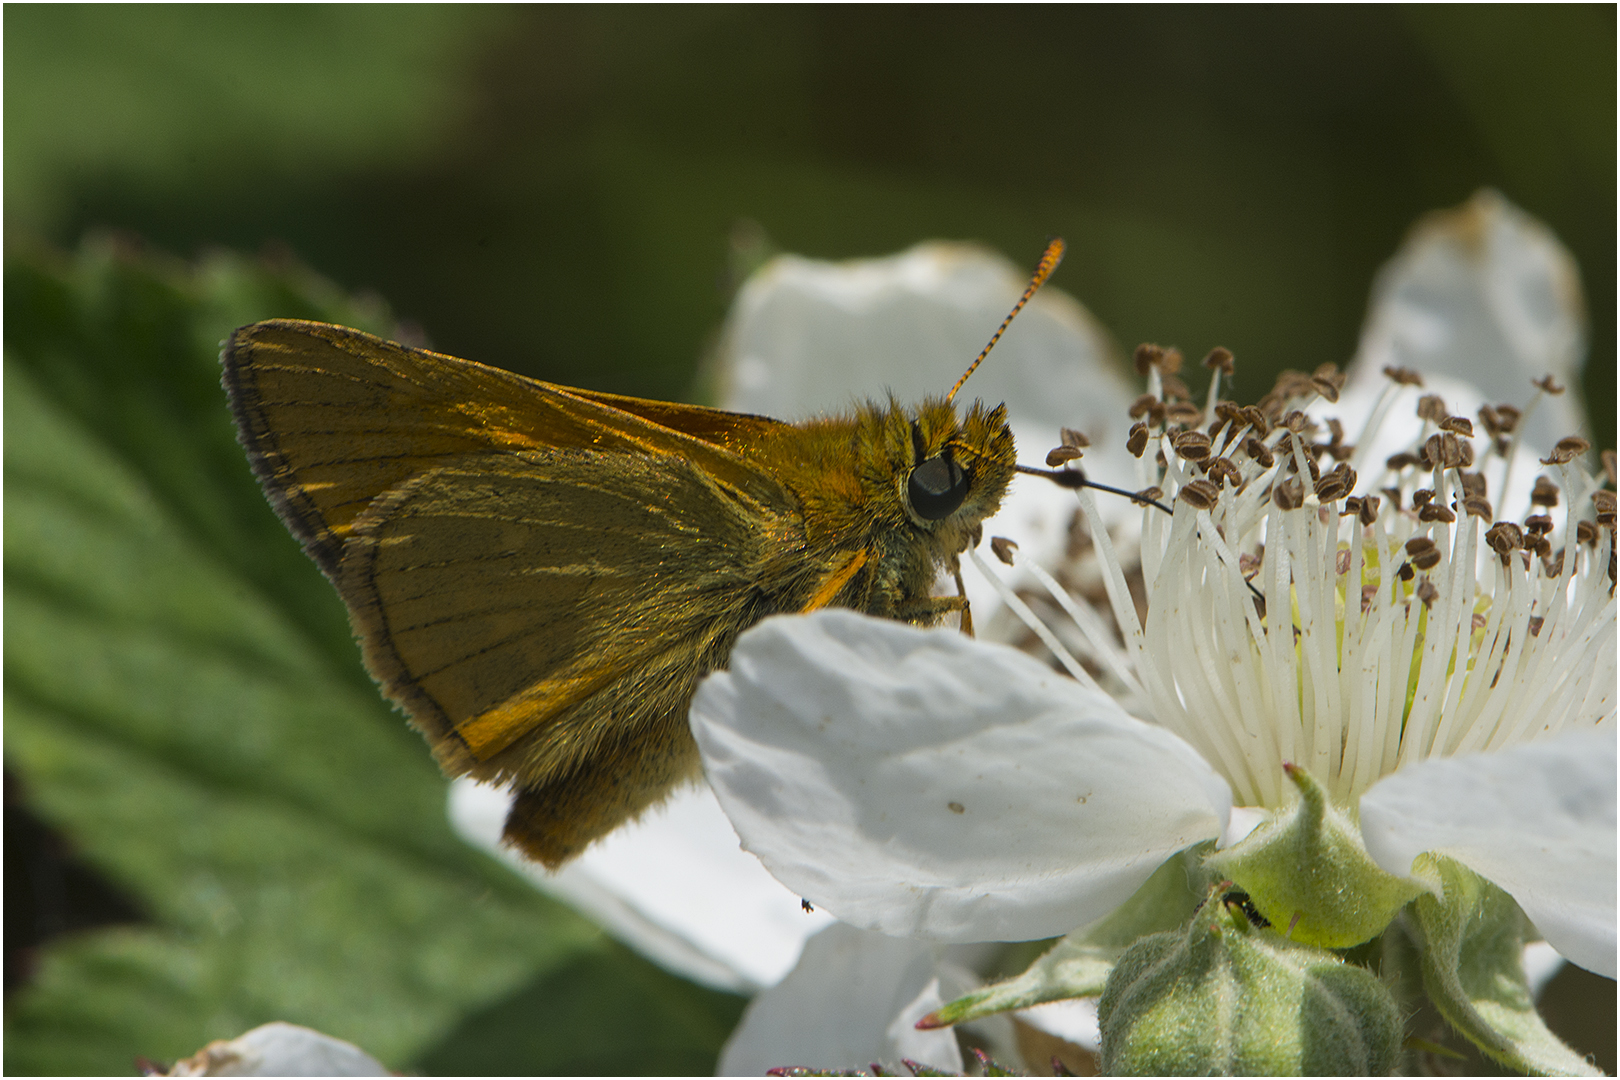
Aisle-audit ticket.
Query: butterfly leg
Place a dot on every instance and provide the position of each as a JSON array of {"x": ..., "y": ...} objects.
[{"x": 961, "y": 591}]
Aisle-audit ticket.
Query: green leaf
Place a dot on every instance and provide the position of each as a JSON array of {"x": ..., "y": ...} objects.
[
  {"x": 185, "y": 702},
  {"x": 1079, "y": 964},
  {"x": 1473, "y": 970}
]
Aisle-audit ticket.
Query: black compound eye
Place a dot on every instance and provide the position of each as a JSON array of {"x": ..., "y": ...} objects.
[{"x": 937, "y": 487}]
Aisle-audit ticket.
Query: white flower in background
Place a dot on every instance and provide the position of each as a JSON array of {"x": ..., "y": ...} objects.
[{"x": 280, "y": 1049}]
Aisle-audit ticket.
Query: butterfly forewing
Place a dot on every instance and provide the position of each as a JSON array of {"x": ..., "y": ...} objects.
[{"x": 333, "y": 418}]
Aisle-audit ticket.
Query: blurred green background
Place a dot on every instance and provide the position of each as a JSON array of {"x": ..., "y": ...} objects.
[
  {"x": 567, "y": 192},
  {"x": 552, "y": 189}
]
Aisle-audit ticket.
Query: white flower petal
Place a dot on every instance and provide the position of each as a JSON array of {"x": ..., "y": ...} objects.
[
  {"x": 936, "y": 1047},
  {"x": 675, "y": 886},
  {"x": 845, "y": 1005},
  {"x": 280, "y": 1049},
  {"x": 921, "y": 783},
  {"x": 1538, "y": 819},
  {"x": 806, "y": 336},
  {"x": 1074, "y": 1019},
  {"x": 1486, "y": 294}
]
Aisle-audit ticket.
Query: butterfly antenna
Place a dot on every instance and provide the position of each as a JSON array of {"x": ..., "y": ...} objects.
[{"x": 1043, "y": 270}]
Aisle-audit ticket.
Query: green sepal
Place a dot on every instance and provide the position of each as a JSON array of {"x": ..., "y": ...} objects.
[
  {"x": 1473, "y": 970},
  {"x": 1078, "y": 965},
  {"x": 1308, "y": 872},
  {"x": 1224, "y": 998}
]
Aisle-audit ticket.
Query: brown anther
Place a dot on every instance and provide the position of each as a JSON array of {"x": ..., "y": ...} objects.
[
  {"x": 1607, "y": 457},
  {"x": 1545, "y": 493},
  {"x": 1191, "y": 445},
  {"x": 1490, "y": 421},
  {"x": 1199, "y": 494},
  {"x": 1296, "y": 421},
  {"x": 1473, "y": 483},
  {"x": 1477, "y": 506},
  {"x": 1502, "y": 445},
  {"x": 1568, "y": 449},
  {"x": 1335, "y": 431},
  {"x": 1465, "y": 455},
  {"x": 1432, "y": 407},
  {"x": 1403, "y": 376},
  {"x": 1443, "y": 450},
  {"x": 1258, "y": 452},
  {"x": 1603, "y": 501},
  {"x": 1223, "y": 472},
  {"x": 1538, "y": 524},
  {"x": 1289, "y": 495},
  {"x": 1458, "y": 425},
  {"x": 1394, "y": 495},
  {"x": 1291, "y": 384},
  {"x": 1060, "y": 454},
  {"x": 1369, "y": 593},
  {"x": 1170, "y": 361},
  {"x": 1184, "y": 413},
  {"x": 1548, "y": 384},
  {"x": 1248, "y": 564},
  {"x": 1257, "y": 420},
  {"x": 1586, "y": 533},
  {"x": 1220, "y": 359},
  {"x": 1423, "y": 553},
  {"x": 1137, "y": 440},
  {"x": 1427, "y": 593},
  {"x": 1070, "y": 437},
  {"x": 1336, "y": 484},
  {"x": 1538, "y": 544},
  {"x": 1536, "y": 623},
  {"x": 1142, "y": 406},
  {"x": 1229, "y": 412},
  {"x": 1003, "y": 548},
  {"x": 1160, "y": 460},
  {"x": 1148, "y": 495},
  {"x": 1403, "y": 460},
  {"x": 1369, "y": 509},
  {"x": 1341, "y": 561},
  {"x": 1328, "y": 388},
  {"x": 1606, "y": 520},
  {"x": 1331, "y": 488},
  {"x": 1504, "y": 538},
  {"x": 1146, "y": 356},
  {"x": 1406, "y": 573},
  {"x": 1554, "y": 566},
  {"x": 1477, "y": 621},
  {"x": 1174, "y": 388},
  {"x": 1422, "y": 497},
  {"x": 1507, "y": 416},
  {"x": 1436, "y": 512}
]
